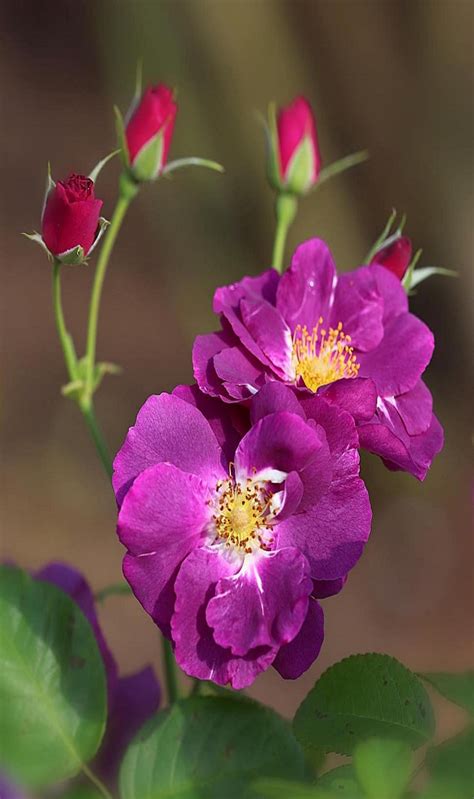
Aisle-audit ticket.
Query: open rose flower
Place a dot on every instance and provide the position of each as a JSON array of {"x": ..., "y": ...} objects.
[
  {"x": 349, "y": 338},
  {"x": 131, "y": 699},
  {"x": 232, "y": 539}
]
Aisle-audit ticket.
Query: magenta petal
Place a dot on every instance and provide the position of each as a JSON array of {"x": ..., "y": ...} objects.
[
  {"x": 281, "y": 442},
  {"x": 164, "y": 510},
  {"x": 390, "y": 288},
  {"x": 204, "y": 349},
  {"x": 274, "y": 397},
  {"x": 296, "y": 657},
  {"x": 195, "y": 648},
  {"x": 136, "y": 698},
  {"x": 415, "y": 408},
  {"x": 359, "y": 306},
  {"x": 270, "y": 331},
  {"x": 227, "y": 301},
  {"x": 404, "y": 353},
  {"x": 234, "y": 366},
  {"x": 332, "y": 534},
  {"x": 167, "y": 429},
  {"x": 228, "y": 422},
  {"x": 263, "y": 605},
  {"x": 356, "y": 396},
  {"x": 386, "y": 435},
  {"x": 325, "y": 588},
  {"x": 341, "y": 434},
  {"x": 305, "y": 291}
]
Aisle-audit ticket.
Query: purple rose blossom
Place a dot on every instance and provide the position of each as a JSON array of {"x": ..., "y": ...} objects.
[
  {"x": 131, "y": 699},
  {"x": 231, "y": 539},
  {"x": 348, "y": 337}
]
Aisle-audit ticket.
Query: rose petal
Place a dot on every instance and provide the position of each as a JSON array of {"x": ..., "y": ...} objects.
[
  {"x": 297, "y": 656},
  {"x": 306, "y": 290},
  {"x": 167, "y": 429},
  {"x": 195, "y": 649},
  {"x": 263, "y": 605}
]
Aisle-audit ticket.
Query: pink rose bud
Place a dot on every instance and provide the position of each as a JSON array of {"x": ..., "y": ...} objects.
[
  {"x": 149, "y": 132},
  {"x": 298, "y": 160},
  {"x": 395, "y": 257},
  {"x": 70, "y": 220}
]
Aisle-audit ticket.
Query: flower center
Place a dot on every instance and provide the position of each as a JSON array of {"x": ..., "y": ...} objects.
[
  {"x": 243, "y": 514},
  {"x": 322, "y": 356}
]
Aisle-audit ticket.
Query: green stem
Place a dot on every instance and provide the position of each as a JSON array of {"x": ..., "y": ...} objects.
[
  {"x": 88, "y": 412},
  {"x": 169, "y": 664},
  {"x": 64, "y": 337},
  {"x": 285, "y": 209},
  {"x": 128, "y": 190},
  {"x": 95, "y": 781}
]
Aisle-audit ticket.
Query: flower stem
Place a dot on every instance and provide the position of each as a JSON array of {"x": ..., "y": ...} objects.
[
  {"x": 169, "y": 664},
  {"x": 88, "y": 413},
  {"x": 95, "y": 781},
  {"x": 64, "y": 337},
  {"x": 128, "y": 190},
  {"x": 285, "y": 209}
]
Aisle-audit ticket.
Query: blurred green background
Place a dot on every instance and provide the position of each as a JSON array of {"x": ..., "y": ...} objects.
[{"x": 395, "y": 77}]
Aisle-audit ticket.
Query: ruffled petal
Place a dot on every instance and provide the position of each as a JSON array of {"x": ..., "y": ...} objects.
[
  {"x": 359, "y": 306},
  {"x": 195, "y": 648},
  {"x": 332, "y": 534},
  {"x": 357, "y": 396},
  {"x": 276, "y": 445},
  {"x": 167, "y": 429},
  {"x": 296, "y": 657},
  {"x": 272, "y": 398},
  {"x": 306, "y": 290},
  {"x": 397, "y": 363},
  {"x": 204, "y": 349},
  {"x": 270, "y": 331},
  {"x": 263, "y": 605}
]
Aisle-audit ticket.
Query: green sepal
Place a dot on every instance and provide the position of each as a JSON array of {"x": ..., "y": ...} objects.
[
  {"x": 99, "y": 167},
  {"x": 103, "y": 225},
  {"x": 413, "y": 277},
  {"x": 50, "y": 184},
  {"x": 73, "y": 257},
  {"x": 38, "y": 239},
  {"x": 137, "y": 95},
  {"x": 271, "y": 142},
  {"x": 300, "y": 172},
  {"x": 121, "y": 138},
  {"x": 387, "y": 237},
  {"x": 340, "y": 166},
  {"x": 192, "y": 161},
  {"x": 148, "y": 162}
]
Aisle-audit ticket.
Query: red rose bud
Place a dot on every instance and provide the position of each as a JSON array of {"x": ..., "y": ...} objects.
[
  {"x": 395, "y": 257},
  {"x": 149, "y": 132},
  {"x": 70, "y": 220},
  {"x": 297, "y": 150}
]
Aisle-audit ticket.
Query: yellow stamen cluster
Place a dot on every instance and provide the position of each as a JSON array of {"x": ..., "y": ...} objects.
[
  {"x": 322, "y": 356},
  {"x": 243, "y": 514}
]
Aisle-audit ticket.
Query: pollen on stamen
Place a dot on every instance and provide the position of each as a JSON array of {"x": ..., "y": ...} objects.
[
  {"x": 243, "y": 518},
  {"x": 322, "y": 356}
]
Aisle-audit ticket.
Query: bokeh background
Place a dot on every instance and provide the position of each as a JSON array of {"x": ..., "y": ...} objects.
[{"x": 392, "y": 76}]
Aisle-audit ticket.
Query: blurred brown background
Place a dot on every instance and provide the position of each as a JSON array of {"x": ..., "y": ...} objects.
[{"x": 393, "y": 76}]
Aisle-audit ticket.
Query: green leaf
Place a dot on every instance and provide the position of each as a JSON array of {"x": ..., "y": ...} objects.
[
  {"x": 341, "y": 782},
  {"x": 383, "y": 768},
  {"x": 52, "y": 682},
  {"x": 458, "y": 688},
  {"x": 451, "y": 768},
  {"x": 209, "y": 748},
  {"x": 82, "y": 792},
  {"x": 284, "y": 789},
  {"x": 364, "y": 696}
]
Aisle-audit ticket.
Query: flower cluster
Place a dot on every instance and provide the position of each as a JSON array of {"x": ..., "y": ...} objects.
[{"x": 240, "y": 500}]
